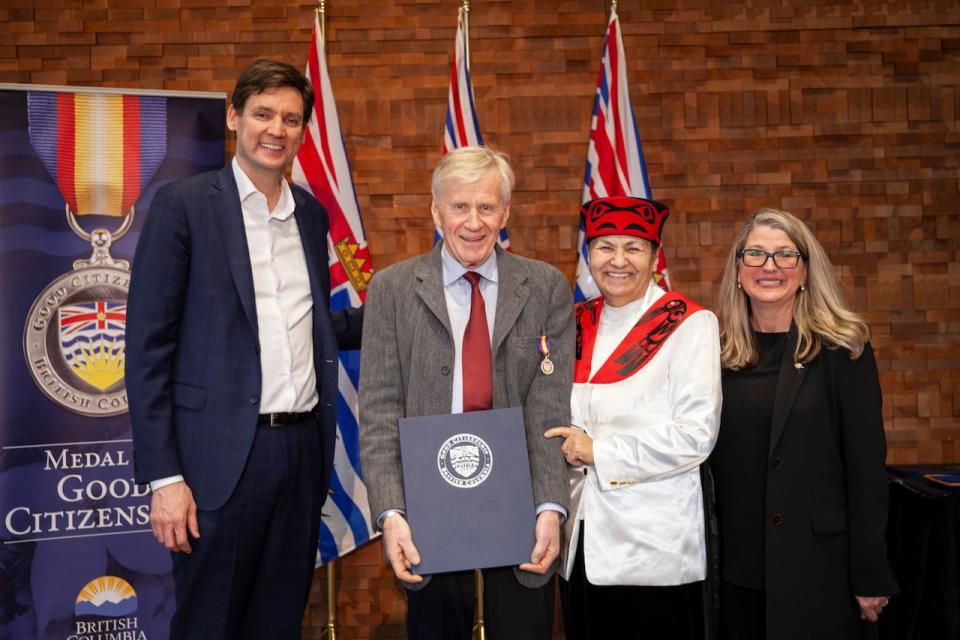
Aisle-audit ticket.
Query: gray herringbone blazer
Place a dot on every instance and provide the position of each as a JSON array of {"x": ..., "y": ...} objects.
[{"x": 408, "y": 356}]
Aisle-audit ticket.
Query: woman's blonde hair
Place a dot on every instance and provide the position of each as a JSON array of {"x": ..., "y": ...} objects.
[{"x": 820, "y": 313}]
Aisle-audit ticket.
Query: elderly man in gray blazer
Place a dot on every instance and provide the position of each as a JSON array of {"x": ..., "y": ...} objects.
[{"x": 417, "y": 327}]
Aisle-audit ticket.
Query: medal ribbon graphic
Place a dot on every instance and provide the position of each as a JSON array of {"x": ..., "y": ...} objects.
[{"x": 100, "y": 150}]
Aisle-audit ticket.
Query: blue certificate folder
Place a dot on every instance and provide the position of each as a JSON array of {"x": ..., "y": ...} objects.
[{"x": 466, "y": 481}]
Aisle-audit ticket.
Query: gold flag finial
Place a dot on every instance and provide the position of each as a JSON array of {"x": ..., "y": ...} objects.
[
  {"x": 613, "y": 6},
  {"x": 322, "y": 19},
  {"x": 465, "y": 10}
]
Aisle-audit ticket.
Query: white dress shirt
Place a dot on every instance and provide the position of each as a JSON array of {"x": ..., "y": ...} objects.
[
  {"x": 641, "y": 502},
  {"x": 284, "y": 302}
]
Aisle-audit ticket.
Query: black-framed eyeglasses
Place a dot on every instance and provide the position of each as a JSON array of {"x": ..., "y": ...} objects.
[{"x": 785, "y": 259}]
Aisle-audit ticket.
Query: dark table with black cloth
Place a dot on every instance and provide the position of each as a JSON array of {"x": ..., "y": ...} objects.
[{"x": 923, "y": 538}]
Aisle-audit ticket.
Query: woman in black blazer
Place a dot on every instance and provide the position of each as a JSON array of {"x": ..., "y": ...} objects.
[{"x": 799, "y": 463}]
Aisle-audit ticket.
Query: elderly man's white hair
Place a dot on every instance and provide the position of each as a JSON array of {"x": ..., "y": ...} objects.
[{"x": 470, "y": 164}]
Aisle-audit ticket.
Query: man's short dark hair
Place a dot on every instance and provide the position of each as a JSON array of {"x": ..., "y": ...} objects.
[{"x": 266, "y": 74}]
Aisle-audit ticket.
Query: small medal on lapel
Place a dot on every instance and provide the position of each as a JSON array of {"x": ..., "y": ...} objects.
[
  {"x": 546, "y": 365},
  {"x": 798, "y": 365}
]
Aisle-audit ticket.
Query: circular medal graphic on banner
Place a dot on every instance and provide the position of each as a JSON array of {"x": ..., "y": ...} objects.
[
  {"x": 73, "y": 340},
  {"x": 464, "y": 460}
]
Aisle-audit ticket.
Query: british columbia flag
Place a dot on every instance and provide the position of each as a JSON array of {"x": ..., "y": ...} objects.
[
  {"x": 92, "y": 340},
  {"x": 615, "y": 165},
  {"x": 462, "y": 128},
  {"x": 322, "y": 168}
]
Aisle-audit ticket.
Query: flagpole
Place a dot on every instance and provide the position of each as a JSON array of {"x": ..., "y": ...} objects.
[
  {"x": 322, "y": 16},
  {"x": 480, "y": 632},
  {"x": 466, "y": 32},
  {"x": 329, "y": 629},
  {"x": 479, "y": 629}
]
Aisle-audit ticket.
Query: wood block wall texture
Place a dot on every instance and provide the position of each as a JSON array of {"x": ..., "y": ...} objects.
[{"x": 847, "y": 114}]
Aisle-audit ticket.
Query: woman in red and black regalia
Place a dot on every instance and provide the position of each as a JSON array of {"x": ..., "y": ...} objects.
[
  {"x": 645, "y": 407},
  {"x": 799, "y": 466}
]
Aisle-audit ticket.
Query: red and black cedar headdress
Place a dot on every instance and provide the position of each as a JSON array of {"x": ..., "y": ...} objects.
[{"x": 624, "y": 216}]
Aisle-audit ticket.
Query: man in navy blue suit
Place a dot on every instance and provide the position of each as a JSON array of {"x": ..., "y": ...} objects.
[{"x": 232, "y": 372}]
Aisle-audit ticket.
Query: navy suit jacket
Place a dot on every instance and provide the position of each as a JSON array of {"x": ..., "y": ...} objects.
[{"x": 192, "y": 349}]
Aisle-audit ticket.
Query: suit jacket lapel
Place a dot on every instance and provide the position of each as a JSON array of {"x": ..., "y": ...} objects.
[
  {"x": 312, "y": 237},
  {"x": 429, "y": 274},
  {"x": 788, "y": 385},
  {"x": 512, "y": 295},
  {"x": 226, "y": 205}
]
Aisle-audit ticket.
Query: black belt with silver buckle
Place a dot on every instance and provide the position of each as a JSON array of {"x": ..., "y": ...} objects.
[{"x": 283, "y": 419}]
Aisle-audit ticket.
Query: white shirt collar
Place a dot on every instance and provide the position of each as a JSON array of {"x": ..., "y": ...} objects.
[
  {"x": 246, "y": 188},
  {"x": 453, "y": 270}
]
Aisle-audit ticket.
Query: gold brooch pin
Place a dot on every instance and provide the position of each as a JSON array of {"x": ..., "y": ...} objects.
[{"x": 798, "y": 365}]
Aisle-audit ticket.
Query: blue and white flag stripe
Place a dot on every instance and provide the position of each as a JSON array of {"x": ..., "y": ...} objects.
[{"x": 345, "y": 525}]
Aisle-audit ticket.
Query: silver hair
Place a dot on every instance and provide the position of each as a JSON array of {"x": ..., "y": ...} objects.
[{"x": 470, "y": 164}]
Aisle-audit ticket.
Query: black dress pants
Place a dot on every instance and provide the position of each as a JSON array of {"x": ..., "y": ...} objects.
[
  {"x": 742, "y": 613},
  {"x": 250, "y": 571},
  {"x": 594, "y": 612},
  {"x": 444, "y": 609}
]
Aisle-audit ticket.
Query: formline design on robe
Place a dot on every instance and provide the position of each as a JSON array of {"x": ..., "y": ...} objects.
[{"x": 641, "y": 344}]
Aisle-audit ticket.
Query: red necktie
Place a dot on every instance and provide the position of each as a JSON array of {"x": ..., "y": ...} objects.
[{"x": 475, "y": 354}]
